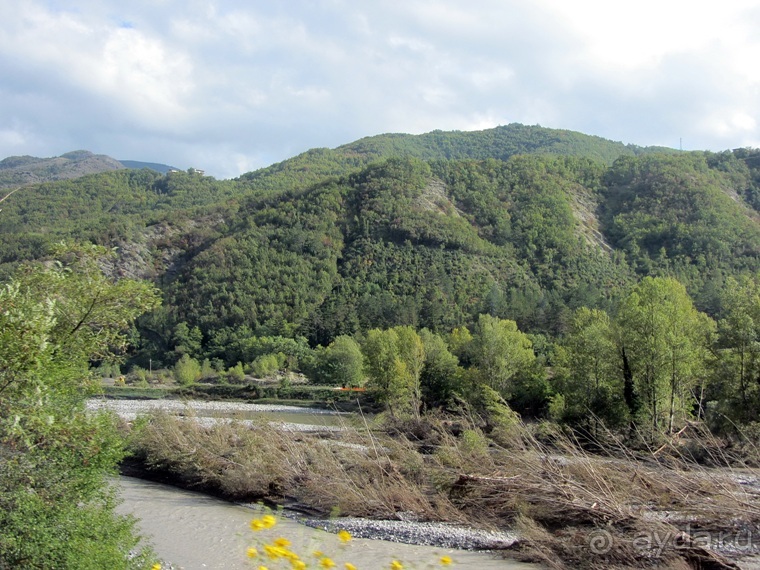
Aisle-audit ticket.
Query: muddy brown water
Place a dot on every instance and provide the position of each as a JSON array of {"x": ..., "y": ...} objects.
[{"x": 194, "y": 531}]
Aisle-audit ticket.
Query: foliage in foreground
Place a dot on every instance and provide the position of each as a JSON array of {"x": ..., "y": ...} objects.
[{"x": 56, "y": 506}]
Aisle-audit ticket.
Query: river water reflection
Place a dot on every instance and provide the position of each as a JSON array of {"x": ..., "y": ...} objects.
[{"x": 193, "y": 531}]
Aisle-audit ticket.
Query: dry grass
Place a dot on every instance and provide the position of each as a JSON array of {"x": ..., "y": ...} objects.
[
  {"x": 353, "y": 473},
  {"x": 559, "y": 496}
]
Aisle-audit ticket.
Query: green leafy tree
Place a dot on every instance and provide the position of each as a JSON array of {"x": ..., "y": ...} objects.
[
  {"x": 187, "y": 370},
  {"x": 441, "y": 374},
  {"x": 268, "y": 364},
  {"x": 411, "y": 351},
  {"x": 739, "y": 358},
  {"x": 587, "y": 374},
  {"x": 56, "y": 506},
  {"x": 341, "y": 363},
  {"x": 236, "y": 373},
  {"x": 460, "y": 344},
  {"x": 187, "y": 340},
  {"x": 666, "y": 342},
  {"x": 500, "y": 352},
  {"x": 393, "y": 362}
]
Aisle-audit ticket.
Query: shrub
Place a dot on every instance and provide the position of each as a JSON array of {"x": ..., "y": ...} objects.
[
  {"x": 268, "y": 364},
  {"x": 187, "y": 370},
  {"x": 236, "y": 373}
]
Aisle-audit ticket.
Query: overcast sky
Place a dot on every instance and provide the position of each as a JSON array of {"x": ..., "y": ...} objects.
[{"x": 234, "y": 85}]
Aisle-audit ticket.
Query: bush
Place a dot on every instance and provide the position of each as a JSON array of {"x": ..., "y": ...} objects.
[
  {"x": 340, "y": 364},
  {"x": 187, "y": 370},
  {"x": 56, "y": 508},
  {"x": 268, "y": 364},
  {"x": 236, "y": 373}
]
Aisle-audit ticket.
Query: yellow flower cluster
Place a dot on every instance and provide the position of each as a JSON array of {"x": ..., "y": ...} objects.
[
  {"x": 267, "y": 521},
  {"x": 278, "y": 550}
]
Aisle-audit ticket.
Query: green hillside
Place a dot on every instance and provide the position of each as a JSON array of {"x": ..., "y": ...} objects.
[
  {"x": 432, "y": 230},
  {"x": 500, "y": 143},
  {"x": 449, "y": 284}
]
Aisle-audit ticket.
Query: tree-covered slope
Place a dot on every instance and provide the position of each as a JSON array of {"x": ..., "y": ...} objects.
[
  {"x": 682, "y": 214},
  {"x": 109, "y": 208},
  {"x": 520, "y": 222},
  {"x": 401, "y": 241},
  {"x": 500, "y": 143},
  {"x": 497, "y": 143}
]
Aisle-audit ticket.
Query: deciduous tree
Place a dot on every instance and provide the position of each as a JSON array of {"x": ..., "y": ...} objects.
[
  {"x": 56, "y": 509},
  {"x": 666, "y": 341}
]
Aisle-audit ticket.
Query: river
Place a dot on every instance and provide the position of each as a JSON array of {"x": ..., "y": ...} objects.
[{"x": 193, "y": 531}]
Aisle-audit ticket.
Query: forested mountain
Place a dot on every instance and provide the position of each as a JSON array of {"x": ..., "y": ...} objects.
[
  {"x": 432, "y": 230},
  {"x": 499, "y": 143}
]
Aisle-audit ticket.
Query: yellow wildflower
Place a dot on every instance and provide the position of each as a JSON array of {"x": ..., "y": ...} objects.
[
  {"x": 156, "y": 566},
  {"x": 344, "y": 536},
  {"x": 445, "y": 560},
  {"x": 257, "y": 525},
  {"x": 396, "y": 565},
  {"x": 263, "y": 568},
  {"x": 327, "y": 563},
  {"x": 252, "y": 552},
  {"x": 298, "y": 564},
  {"x": 282, "y": 542},
  {"x": 275, "y": 552},
  {"x": 317, "y": 554},
  {"x": 350, "y": 566},
  {"x": 268, "y": 521}
]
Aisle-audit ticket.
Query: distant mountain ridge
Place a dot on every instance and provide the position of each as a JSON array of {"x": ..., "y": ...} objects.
[{"x": 24, "y": 170}]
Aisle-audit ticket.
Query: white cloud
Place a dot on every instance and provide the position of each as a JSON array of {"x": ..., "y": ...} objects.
[
  {"x": 11, "y": 138},
  {"x": 146, "y": 80},
  {"x": 228, "y": 85}
]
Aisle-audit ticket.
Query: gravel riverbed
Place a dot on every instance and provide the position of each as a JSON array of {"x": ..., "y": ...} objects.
[
  {"x": 443, "y": 535},
  {"x": 209, "y": 413},
  {"x": 129, "y": 409}
]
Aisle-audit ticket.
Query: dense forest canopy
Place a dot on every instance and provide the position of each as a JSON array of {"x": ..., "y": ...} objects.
[{"x": 430, "y": 231}]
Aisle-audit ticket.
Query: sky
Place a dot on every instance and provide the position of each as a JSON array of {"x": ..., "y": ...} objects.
[{"x": 230, "y": 86}]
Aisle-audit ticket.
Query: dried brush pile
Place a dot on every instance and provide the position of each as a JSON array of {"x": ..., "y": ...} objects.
[
  {"x": 351, "y": 472},
  {"x": 617, "y": 509}
]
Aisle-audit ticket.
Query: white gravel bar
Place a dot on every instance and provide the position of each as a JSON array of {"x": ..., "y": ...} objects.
[
  {"x": 425, "y": 533},
  {"x": 199, "y": 411},
  {"x": 142, "y": 406}
]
